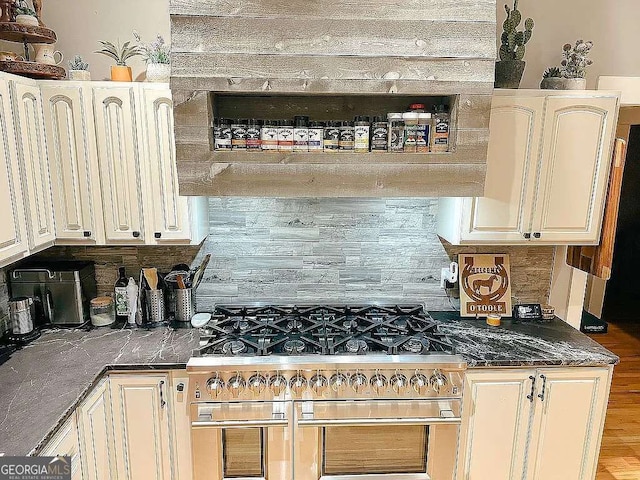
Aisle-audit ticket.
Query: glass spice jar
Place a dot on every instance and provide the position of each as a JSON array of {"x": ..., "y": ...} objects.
[
  {"x": 269, "y": 136},
  {"x": 379, "y": 135},
  {"x": 316, "y": 136},
  {"x": 239, "y": 134},
  {"x": 222, "y": 134},
  {"x": 396, "y": 132},
  {"x": 332, "y": 136},
  {"x": 362, "y": 131}
]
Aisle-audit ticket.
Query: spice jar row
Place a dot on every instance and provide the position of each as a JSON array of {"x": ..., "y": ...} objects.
[{"x": 415, "y": 131}]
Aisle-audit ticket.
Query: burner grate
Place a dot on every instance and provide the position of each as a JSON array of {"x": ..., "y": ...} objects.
[{"x": 325, "y": 330}]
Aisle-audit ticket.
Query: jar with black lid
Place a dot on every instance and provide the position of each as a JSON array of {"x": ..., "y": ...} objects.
[
  {"x": 379, "y": 135},
  {"x": 362, "y": 129},
  {"x": 347, "y": 137},
  {"x": 316, "y": 136},
  {"x": 222, "y": 134},
  {"x": 239, "y": 134},
  {"x": 253, "y": 134},
  {"x": 332, "y": 136},
  {"x": 301, "y": 133}
]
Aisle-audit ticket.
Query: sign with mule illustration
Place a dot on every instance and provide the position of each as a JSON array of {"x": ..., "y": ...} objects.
[{"x": 485, "y": 284}]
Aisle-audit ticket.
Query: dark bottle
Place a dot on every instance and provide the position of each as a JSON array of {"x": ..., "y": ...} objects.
[{"x": 121, "y": 301}]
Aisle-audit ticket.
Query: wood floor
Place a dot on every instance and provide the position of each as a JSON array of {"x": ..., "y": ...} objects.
[{"x": 620, "y": 454}]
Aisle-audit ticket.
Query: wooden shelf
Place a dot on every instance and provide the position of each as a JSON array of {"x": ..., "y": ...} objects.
[
  {"x": 33, "y": 70},
  {"x": 325, "y": 158},
  {"x": 16, "y": 32}
]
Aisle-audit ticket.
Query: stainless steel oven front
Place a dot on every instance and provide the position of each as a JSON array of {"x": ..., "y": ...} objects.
[{"x": 331, "y": 424}]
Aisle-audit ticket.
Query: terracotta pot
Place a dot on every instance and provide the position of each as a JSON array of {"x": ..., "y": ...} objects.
[
  {"x": 564, "y": 83},
  {"x": 509, "y": 73},
  {"x": 158, "y": 72},
  {"x": 27, "y": 20},
  {"x": 84, "y": 75},
  {"x": 120, "y": 73}
]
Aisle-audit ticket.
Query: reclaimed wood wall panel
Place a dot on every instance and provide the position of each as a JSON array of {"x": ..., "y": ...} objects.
[
  {"x": 338, "y": 37},
  {"x": 344, "y": 180},
  {"x": 460, "y": 10},
  {"x": 443, "y": 48}
]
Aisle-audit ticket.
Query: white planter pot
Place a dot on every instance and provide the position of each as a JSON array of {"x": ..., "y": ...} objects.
[
  {"x": 575, "y": 83},
  {"x": 27, "y": 20},
  {"x": 158, "y": 72},
  {"x": 79, "y": 75}
]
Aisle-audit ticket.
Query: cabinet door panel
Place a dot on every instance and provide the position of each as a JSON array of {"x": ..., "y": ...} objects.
[
  {"x": 141, "y": 427},
  {"x": 32, "y": 147},
  {"x": 72, "y": 162},
  {"x": 119, "y": 159},
  {"x": 569, "y": 423},
  {"x": 65, "y": 443},
  {"x": 95, "y": 424},
  {"x": 504, "y": 213},
  {"x": 170, "y": 211},
  {"x": 574, "y": 174},
  {"x": 496, "y": 414},
  {"x": 13, "y": 234}
]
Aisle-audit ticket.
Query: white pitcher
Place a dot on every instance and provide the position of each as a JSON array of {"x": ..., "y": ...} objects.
[{"x": 46, "y": 53}]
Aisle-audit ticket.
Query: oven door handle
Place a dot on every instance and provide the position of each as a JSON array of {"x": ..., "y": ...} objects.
[
  {"x": 370, "y": 422},
  {"x": 200, "y": 424}
]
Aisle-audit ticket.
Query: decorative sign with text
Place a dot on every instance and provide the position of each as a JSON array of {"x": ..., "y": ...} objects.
[{"x": 485, "y": 285}]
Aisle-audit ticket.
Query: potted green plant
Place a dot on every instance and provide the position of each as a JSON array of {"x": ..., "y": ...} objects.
[
  {"x": 24, "y": 14},
  {"x": 120, "y": 72},
  {"x": 572, "y": 74},
  {"x": 552, "y": 79},
  {"x": 156, "y": 55},
  {"x": 510, "y": 67},
  {"x": 79, "y": 69}
]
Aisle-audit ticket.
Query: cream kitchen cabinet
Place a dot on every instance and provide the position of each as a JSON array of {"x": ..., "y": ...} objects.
[
  {"x": 141, "y": 406},
  {"x": 547, "y": 172},
  {"x": 34, "y": 166},
  {"x": 96, "y": 434},
  {"x": 14, "y": 243},
  {"x": 65, "y": 443},
  {"x": 543, "y": 424}
]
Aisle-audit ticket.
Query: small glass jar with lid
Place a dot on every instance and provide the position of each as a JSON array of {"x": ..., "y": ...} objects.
[{"x": 102, "y": 311}]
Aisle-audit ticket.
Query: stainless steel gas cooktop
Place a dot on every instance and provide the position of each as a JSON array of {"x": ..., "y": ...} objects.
[{"x": 238, "y": 331}]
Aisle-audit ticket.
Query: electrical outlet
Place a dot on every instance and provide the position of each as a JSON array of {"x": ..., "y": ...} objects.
[{"x": 449, "y": 276}]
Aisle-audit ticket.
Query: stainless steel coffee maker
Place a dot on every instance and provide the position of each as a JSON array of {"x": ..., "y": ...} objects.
[{"x": 21, "y": 320}]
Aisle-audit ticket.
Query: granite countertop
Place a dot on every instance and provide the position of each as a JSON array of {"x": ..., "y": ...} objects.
[
  {"x": 41, "y": 384},
  {"x": 515, "y": 344}
]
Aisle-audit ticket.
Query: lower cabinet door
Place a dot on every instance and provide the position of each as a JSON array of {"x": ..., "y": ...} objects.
[
  {"x": 141, "y": 426},
  {"x": 568, "y": 423},
  {"x": 96, "y": 437},
  {"x": 496, "y": 414},
  {"x": 65, "y": 444}
]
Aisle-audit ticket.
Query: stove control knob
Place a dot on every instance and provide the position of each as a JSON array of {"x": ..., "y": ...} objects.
[
  {"x": 379, "y": 383},
  {"x": 420, "y": 383},
  {"x": 399, "y": 383},
  {"x": 298, "y": 384},
  {"x": 319, "y": 383},
  {"x": 338, "y": 382},
  {"x": 438, "y": 381},
  {"x": 277, "y": 384},
  {"x": 215, "y": 385},
  {"x": 236, "y": 385},
  {"x": 358, "y": 382},
  {"x": 257, "y": 384}
]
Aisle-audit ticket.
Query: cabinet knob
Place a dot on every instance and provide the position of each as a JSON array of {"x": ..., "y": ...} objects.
[
  {"x": 157, "y": 235},
  {"x": 537, "y": 235},
  {"x": 86, "y": 233},
  {"x": 136, "y": 234},
  {"x": 527, "y": 236}
]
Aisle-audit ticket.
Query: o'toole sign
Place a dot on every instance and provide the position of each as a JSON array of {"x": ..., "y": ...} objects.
[{"x": 485, "y": 285}]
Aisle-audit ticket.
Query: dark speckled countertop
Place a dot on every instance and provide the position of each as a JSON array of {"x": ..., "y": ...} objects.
[{"x": 42, "y": 383}]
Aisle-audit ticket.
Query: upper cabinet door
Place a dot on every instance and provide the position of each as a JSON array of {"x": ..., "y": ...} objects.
[
  {"x": 578, "y": 138},
  {"x": 119, "y": 158},
  {"x": 568, "y": 423},
  {"x": 504, "y": 213},
  {"x": 13, "y": 234},
  {"x": 33, "y": 153},
  {"x": 170, "y": 211},
  {"x": 71, "y": 148}
]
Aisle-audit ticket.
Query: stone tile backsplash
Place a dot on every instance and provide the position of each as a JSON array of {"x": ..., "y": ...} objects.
[{"x": 315, "y": 250}]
